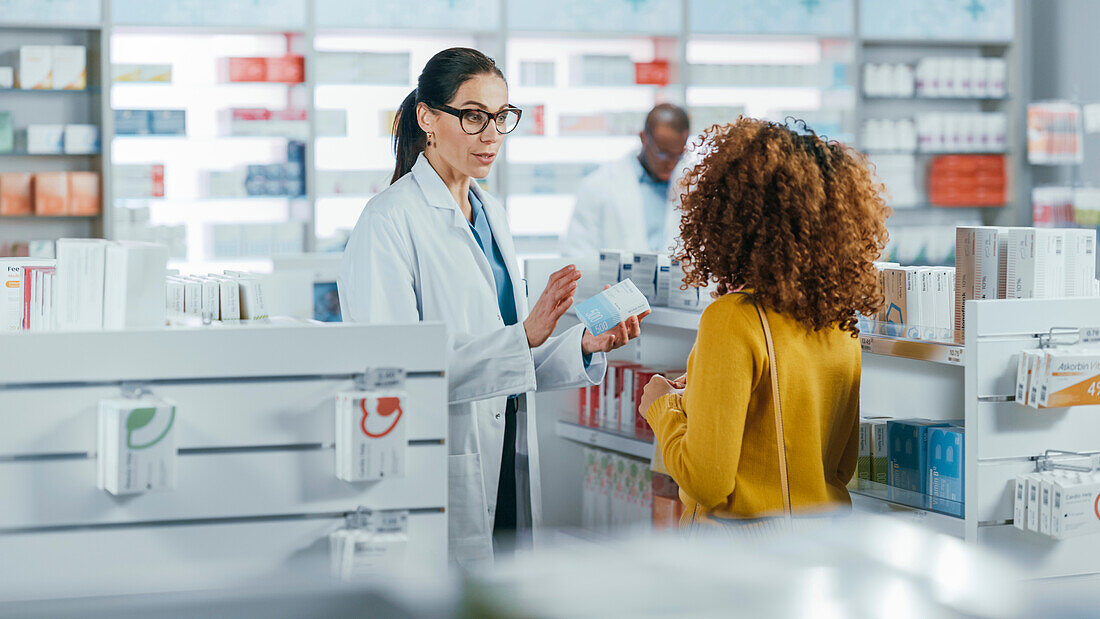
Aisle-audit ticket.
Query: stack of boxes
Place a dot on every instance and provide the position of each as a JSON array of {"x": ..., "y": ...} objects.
[
  {"x": 289, "y": 69},
  {"x": 151, "y": 122},
  {"x": 1059, "y": 504},
  {"x": 51, "y": 67},
  {"x": 613, "y": 404},
  {"x": 917, "y": 456},
  {"x": 617, "y": 492},
  {"x": 1022, "y": 263},
  {"x": 53, "y": 194}
]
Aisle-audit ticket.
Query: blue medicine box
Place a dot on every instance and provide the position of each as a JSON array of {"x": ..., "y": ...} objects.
[
  {"x": 907, "y": 446},
  {"x": 946, "y": 465},
  {"x": 168, "y": 122},
  {"x": 132, "y": 122}
]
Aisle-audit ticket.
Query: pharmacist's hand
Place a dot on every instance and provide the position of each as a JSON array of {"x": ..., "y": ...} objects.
[
  {"x": 680, "y": 382},
  {"x": 657, "y": 387},
  {"x": 556, "y": 298},
  {"x": 615, "y": 337}
]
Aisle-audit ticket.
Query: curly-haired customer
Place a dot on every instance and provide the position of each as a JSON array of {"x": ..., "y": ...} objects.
[{"x": 792, "y": 222}]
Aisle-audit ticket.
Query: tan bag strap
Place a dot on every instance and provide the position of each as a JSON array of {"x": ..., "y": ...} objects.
[{"x": 779, "y": 436}]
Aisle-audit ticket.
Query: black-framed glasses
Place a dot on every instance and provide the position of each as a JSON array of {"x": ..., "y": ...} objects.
[{"x": 473, "y": 120}]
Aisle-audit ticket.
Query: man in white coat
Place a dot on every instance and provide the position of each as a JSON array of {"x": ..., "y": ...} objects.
[{"x": 624, "y": 203}]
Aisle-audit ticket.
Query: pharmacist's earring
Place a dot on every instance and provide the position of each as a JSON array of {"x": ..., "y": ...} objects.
[{"x": 431, "y": 138}]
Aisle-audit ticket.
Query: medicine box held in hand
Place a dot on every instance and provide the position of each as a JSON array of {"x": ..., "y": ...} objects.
[{"x": 612, "y": 306}]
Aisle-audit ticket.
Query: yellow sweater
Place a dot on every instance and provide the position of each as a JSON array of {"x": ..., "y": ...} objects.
[{"x": 718, "y": 438}]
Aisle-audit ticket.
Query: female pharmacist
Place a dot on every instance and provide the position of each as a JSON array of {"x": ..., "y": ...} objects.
[
  {"x": 436, "y": 247},
  {"x": 794, "y": 223}
]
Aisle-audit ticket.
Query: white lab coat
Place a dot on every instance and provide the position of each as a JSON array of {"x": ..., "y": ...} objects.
[
  {"x": 412, "y": 257},
  {"x": 609, "y": 213}
]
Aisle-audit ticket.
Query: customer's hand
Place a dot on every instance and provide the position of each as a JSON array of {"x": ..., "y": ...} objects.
[
  {"x": 615, "y": 337},
  {"x": 555, "y": 299},
  {"x": 680, "y": 382},
  {"x": 657, "y": 387}
]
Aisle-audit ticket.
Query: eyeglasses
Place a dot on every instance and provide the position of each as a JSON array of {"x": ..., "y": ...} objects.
[
  {"x": 651, "y": 145},
  {"x": 474, "y": 121}
]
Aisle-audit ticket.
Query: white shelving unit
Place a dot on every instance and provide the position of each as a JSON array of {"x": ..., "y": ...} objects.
[
  {"x": 921, "y": 379},
  {"x": 257, "y": 491},
  {"x": 682, "y": 32},
  {"x": 28, "y": 107}
]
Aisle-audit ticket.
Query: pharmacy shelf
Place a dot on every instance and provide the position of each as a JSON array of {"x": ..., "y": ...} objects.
[
  {"x": 867, "y": 97},
  {"x": 934, "y": 43},
  {"x": 918, "y": 350},
  {"x": 940, "y": 523},
  {"x": 46, "y": 218},
  {"x": 199, "y": 29},
  {"x": 42, "y": 91},
  {"x": 47, "y": 26},
  {"x": 907, "y": 498},
  {"x": 624, "y": 442},
  {"x": 932, "y": 153},
  {"x": 23, "y": 153}
]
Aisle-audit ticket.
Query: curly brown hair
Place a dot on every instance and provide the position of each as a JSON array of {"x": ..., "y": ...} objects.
[{"x": 796, "y": 218}]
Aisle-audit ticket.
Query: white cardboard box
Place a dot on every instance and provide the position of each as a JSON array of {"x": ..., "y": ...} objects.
[
  {"x": 81, "y": 269},
  {"x": 1080, "y": 262},
  {"x": 36, "y": 67},
  {"x": 977, "y": 269},
  {"x": 81, "y": 139},
  {"x": 134, "y": 285},
  {"x": 70, "y": 67},
  {"x": 1036, "y": 263},
  {"x": 45, "y": 139},
  {"x": 137, "y": 446}
]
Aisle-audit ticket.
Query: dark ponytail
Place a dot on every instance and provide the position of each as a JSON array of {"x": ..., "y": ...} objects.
[{"x": 441, "y": 78}]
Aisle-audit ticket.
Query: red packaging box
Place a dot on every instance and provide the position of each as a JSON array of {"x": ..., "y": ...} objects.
[
  {"x": 594, "y": 401},
  {"x": 84, "y": 193},
  {"x": 15, "y": 194},
  {"x": 285, "y": 69},
  {"x": 51, "y": 193},
  {"x": 656, "y": 73},
  {"x": 251, "y": 113},
  {"x": 247, "y": 69},
  {"x": 291, "y": 114},
  {"x": 613, "y": 384},
  {"x": 582, "y": 406}
]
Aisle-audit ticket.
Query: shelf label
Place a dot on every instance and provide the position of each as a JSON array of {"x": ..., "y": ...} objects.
[
  {"x": 865, "y": 343},
  {"x": 955, "y": 355}
]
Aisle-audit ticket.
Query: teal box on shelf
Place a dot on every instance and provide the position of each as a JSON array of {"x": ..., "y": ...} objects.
[
  {"x": 168, "y": 122},
  {"x": 946, "y": 467},
  {"x": 908, "y": 452},
  {"x": 7, "y": 133},
  {"x": 132, "y": 122}
]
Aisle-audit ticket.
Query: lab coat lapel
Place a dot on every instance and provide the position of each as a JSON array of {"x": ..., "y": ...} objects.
[
  {"x": 633, "y": 224},
  {"x": 498, "y": 222},
  {"x": 437, "y": 195}
]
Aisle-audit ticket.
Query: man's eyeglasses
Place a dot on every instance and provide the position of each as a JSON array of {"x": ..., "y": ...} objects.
[
  {"x": 474, "y": 121},
  {"x": 661, "y": 155}
]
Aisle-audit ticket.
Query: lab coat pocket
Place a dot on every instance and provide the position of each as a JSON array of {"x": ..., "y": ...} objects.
[{"x": 468, "y": 520}]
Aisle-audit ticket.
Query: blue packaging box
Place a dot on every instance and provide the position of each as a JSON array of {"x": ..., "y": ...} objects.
[
  {"x": 946, "y": 465},
  {"x": 168, "y": 122},
  {"x": 907, "y": 445},
  {"x": 296, "y": 152},
  {"x": 132, "y": 122}
]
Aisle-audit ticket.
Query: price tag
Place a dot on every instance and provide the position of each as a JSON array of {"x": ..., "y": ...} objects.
[{"x": 865, "y": 343}]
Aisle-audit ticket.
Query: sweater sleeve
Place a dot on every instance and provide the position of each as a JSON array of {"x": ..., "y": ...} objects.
[
  {"x": 700, "y": 433},
  {"x": 847, "y": 465}
]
